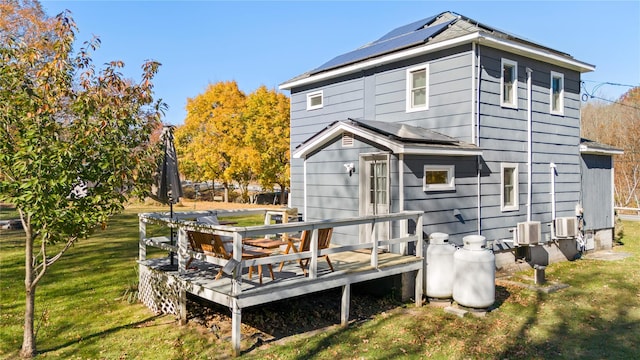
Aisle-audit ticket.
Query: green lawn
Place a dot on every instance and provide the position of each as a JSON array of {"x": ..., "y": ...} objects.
[{"x": 81, "y": 314}]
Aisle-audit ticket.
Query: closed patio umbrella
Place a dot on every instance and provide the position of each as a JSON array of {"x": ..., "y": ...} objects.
[{"x": 166, "y": 187}]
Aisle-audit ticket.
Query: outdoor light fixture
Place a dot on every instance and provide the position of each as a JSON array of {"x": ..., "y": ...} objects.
[{"x": 350, "y": 168}]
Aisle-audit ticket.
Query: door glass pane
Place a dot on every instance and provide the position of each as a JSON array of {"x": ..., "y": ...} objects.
[
  {"x": 378, "y": 183},
  {"x": 381, "y": 183}
]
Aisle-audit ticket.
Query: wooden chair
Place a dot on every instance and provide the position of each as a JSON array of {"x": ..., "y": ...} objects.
[
  {"x": 212, "y": 245},
  {"x": 324, "y": 240}
]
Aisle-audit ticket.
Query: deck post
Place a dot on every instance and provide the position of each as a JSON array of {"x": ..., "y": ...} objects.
[
  {"x": 419, "y": 253},
  {"x": 236, "y": 322},
  {"x": 182, "y": 306},
  {"x": 346, "y": 300},
  {"x": 236, "y": 278},
  {"x": 182, "y": 250},
  {"x": 374, "y": 248},
  {"x": 142, "y": 233},
  {"x": 313, "y": 265}
]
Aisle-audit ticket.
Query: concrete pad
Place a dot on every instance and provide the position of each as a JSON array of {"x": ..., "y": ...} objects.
[
  {"x": 455, "y": 311},
  {"x": 439, "y": 303},
  {"x": 607, "y": 255}
]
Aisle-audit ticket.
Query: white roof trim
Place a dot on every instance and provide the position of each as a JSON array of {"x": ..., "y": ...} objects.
[
  {"x": 585, "y": 149},
  {"x": 397, "y": 147},
  {"x": 483, "y": 39},
  {"x": 532, "y": 52}
]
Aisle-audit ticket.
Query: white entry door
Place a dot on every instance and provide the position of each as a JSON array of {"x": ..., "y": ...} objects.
[{"x": 374, "y": 193}]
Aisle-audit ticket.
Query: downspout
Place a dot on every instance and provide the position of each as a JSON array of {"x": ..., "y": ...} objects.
[
  {"x": 478, "y": 73},
  {"x": 304, "y": 188},
  {"x": 552, "y": 173},
  {"x": 530, "y": 143},
  {"x": 404, "y": 225}
]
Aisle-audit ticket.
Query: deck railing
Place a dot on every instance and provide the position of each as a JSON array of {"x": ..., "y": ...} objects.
[{"x": 183, "y": 222}]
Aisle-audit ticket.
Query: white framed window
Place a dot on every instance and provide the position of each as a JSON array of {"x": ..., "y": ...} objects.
[
  {"x": 509, "y": 187},
  {"x": 418, "y": 88},
  {"x": 439, "y": 177},
  {"x": 556, "y": 93},
  {"x": 315, "y": 100},
  {"x": 509, "y": 84}
]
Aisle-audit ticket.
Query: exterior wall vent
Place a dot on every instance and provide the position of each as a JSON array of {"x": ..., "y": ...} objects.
[
  {"x": 347, "y": 139},
  {"x": 566, "y": 227},
  {"x": 528, "y": 233}
]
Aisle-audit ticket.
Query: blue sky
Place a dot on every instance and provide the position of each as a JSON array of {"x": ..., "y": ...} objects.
[{"x": 268, "y": 42}]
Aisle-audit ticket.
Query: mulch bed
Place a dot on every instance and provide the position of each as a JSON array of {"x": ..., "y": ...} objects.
[{"x": 281, "y": 319}]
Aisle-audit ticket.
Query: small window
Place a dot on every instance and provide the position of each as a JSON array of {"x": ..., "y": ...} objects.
[
  {"x": 509, "y": 83},
  {"x": 439, "y": 177},
  {"x": 418, "y": 88},
  {"x": 557, "y": 93},
  {"x": 509, "y": 184},
  {"x": 314, "y": 100}
]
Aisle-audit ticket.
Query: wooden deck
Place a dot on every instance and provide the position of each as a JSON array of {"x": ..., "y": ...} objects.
[
  {"x": 350, "y": 267},
  {"x": 353, "y": 263}
]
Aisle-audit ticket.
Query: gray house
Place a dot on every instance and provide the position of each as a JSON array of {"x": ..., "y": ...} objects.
[{"x": 476, "y": 127}]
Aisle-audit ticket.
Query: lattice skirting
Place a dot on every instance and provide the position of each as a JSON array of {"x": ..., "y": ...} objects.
[{"x": 159, "y": 291}]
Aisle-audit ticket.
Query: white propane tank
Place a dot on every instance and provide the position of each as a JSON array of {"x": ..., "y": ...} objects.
[
  {"x": 439, "y": 266},
  {"x": 474, "y": 274}
]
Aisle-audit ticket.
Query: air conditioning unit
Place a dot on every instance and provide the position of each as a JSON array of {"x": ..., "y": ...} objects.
[
  {"x": 566, "y": 227},
  {"x": 528, "y": 233}
]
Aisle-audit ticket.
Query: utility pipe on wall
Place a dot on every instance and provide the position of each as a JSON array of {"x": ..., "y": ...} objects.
[
  {"x": 529, "y": 141},
  {"x": 477, "y": 134},
  {"x": 552, "y": 173}
]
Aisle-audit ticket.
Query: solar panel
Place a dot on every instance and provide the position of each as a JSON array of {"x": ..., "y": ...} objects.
[
  {"x": 406, "y": 133},
  {"x": 407, "y": 28},
  {"x": 383, "y": 47}
]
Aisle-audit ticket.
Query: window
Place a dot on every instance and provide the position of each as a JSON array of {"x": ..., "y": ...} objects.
[
  {"x": 314, "y": 100},
  {"x": 439, "y": 177},
  {"x": 509, "y": 183},
  {"x": 557, "y": 93},
  {"x": 417, "y": 88},
  {"x": 509, "y": 83}
]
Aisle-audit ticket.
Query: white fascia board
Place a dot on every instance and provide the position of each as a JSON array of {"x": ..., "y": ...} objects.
[
  {"x": 534, "y": 53},
  {"x": 338, "y": 129},
  {"x": 396, "y": 147},
  {"x": 416, "y": 51},
  {"x": 584, "y": 149}
]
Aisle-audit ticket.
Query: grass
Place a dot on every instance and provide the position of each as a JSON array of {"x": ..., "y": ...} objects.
[
  {"x": 81, "y": 313},
  {"x": 8, "y": 212}
]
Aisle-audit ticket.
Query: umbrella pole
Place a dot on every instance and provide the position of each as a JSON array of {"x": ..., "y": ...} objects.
[{"x": 172, "y": 242}]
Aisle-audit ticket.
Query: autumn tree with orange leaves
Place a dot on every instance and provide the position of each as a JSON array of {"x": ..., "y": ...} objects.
[
  {"x": 231, "y": 138},
  {"x": 618, "y": 124}
]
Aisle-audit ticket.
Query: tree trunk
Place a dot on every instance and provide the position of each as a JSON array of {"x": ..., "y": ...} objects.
[
  {"x": 282, "y": 195},
  {"x": 29, "y": 340}
]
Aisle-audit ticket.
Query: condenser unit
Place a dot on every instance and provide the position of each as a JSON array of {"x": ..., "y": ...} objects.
[
  {"x": 566, "y": 227},
  {"x": 528, "y": 233}
]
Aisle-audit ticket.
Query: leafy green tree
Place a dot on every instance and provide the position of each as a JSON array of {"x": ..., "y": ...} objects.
[
  {"x": 267, "y": 120},
  {"x": 75, "y": 139}
]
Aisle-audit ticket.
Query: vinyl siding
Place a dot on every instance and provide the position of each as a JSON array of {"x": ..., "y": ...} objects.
[
  {"x": 597, "y": 203},
  {"x": 379, "y": 94},
  {"x": 503, "y": 138}
]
